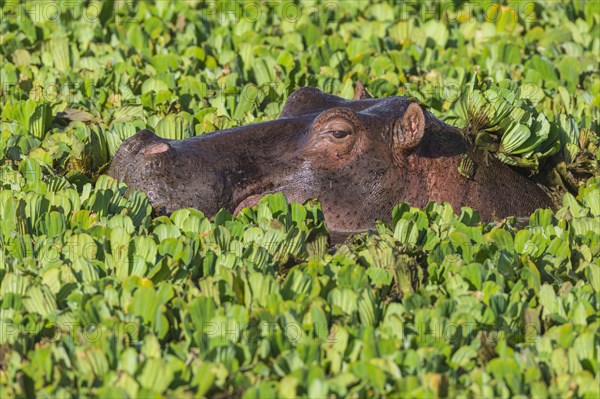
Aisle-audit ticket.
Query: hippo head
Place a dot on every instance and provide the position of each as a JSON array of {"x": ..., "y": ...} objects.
[{"x": 358, "y": 157}]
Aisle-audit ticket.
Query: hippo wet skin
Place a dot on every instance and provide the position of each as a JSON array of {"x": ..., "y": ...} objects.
[{"x": 358, "y": 157}]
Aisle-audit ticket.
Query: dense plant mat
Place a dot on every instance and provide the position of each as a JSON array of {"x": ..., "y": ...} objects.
[{"x": 100, "y": 297}]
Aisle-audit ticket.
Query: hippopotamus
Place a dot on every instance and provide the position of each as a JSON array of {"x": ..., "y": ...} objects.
[{"x": 359, "y": 157}]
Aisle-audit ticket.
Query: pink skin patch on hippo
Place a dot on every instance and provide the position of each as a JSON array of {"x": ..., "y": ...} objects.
[
  {"x": 248, "y": 202},
  {"x": 156, "y": 148}
]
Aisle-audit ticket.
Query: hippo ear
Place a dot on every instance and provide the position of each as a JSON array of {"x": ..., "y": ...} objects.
[
  {"x": 410, "y": 129},
  {"x": 360, "y": 92}
]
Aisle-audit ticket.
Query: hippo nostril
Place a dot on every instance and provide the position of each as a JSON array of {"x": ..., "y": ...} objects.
[
  {"x": 156, "y": 148},
  {"x": 142, "y": 139}
]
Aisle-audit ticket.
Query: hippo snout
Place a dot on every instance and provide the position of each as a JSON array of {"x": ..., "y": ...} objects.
[
  {"x": 144, "y": 142},
  {"x": 172, "y": 175}
]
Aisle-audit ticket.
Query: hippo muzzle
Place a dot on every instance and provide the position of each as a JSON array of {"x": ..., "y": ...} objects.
[
  {"x": 225, "y": 169},
  {"x": 358, "y": 157}
]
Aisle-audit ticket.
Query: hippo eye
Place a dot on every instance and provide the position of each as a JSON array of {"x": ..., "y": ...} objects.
[
  {"x": 339, "y": 134},
  {"x": 339, "y": 128},
  {"x": 336, "y": 125}
]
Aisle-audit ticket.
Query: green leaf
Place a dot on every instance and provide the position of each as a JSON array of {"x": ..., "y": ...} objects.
[
  {"x": 463, "y": 357},
  {"x": 406, "y": 232},
  {"x": 39, "y": 299},
  {"x": 320, "y": 326},
  {"x": 53, "y": 224},
  {"x": 156, "y": 375},
  {"x": 175, "y": 127},
  {"x": 515, "y": 136}
]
